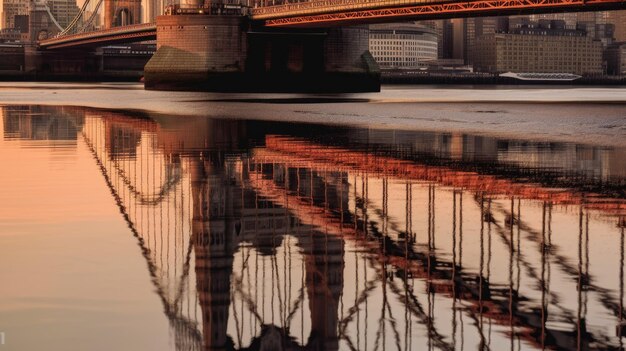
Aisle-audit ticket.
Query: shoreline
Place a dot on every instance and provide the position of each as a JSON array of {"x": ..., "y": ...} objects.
[
  {"x": 494, "y": 79},
  {"x": 387, "y": 78},
  {"x": 533, "y": 113}
]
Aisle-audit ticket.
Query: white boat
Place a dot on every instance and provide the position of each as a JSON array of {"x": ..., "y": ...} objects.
[{"x": 544, "y": 77}]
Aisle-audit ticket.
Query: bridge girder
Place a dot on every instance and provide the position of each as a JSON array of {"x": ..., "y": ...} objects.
[
  {"x": 433, "y": 10},
  {"x": 127, "y": 34}
]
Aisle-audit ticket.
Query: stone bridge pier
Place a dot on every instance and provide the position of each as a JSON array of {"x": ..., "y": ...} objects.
[{"x": 229, "y": 53}]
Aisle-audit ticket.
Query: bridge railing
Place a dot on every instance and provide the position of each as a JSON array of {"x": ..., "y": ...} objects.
[{"x": 326, "y": 6}]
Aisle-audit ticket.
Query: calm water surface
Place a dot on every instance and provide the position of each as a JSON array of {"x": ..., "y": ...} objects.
[{"x": 128, "y": 231}]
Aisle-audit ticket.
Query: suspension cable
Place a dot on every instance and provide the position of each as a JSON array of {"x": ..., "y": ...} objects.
[
  {"x": 78, "y": 16},
  {"x": 54, "y": 20},
  {"x": 91, "y": 18}
]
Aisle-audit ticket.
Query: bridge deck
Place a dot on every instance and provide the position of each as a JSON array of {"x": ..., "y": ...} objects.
[
  {"x": 328, "y": 6},
  {"x": 330, "y": 12},
  {"x": 136, "y": 32}
]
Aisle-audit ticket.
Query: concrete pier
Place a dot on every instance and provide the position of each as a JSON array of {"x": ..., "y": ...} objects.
[
  {"x": 195, "y": 51},
  {"x": 229, "y": 53}
]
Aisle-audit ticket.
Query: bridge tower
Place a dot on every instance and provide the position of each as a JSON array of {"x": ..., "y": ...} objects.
[
  {"x": 218, "y": 48},
  {"x": 325, "y": 265},
  {"x": 324, "y": 283},
  {"x": 121, "y": 13},
  {"x": 216, "y": 234},
  {"x": 41, "y": 25}
]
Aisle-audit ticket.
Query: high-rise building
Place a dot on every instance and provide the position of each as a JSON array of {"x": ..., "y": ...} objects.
[
  {"x": 477, "y": 27},
  {"x": 603, "y": 32},
  {"x": 457, "y": 38},
  {"x": 443, "y": 28},
  {"x": 63, "y": 11},
  {"x": 459, "y": 34},
  {"x": 150, "y": 9},
  {"x": 9, "y": 9},
  {"x": 96, "y": 22},
  {"x": 615, "y": 56},
  {"x": 570, "y": 18},
  {"x": 617, "y": 18}
]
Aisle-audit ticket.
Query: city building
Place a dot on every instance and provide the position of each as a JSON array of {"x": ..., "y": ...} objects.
[
  {"x": 618, "y": 18},
  {"x": 570, "y": 18},
  {"x": 63, "y": 11},
  {"x": 474, "y": 28},
  {"x": 96, "y": 22},
  {"x": 457, "y": 38},
  {"x": 615, "y": 56},
  {"x": 603, "y": 32},
  {"x": 402, "y": 45},
  {"x": 152, "y": 8},
  {"x": 443, "y": 29},
  {"x": 542, "y": 47},
  {"x": 9, "y": 9}
]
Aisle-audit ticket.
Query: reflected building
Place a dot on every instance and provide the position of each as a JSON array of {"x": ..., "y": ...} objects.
[
  {"x": 215, "y": 235},
  {"x": 591, "y": 162},
  {"x": 31, "y": 123},
  {"x": 226, "y": 215}
]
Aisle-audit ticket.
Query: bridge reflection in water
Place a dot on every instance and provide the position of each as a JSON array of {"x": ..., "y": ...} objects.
[{"x": 269, "y": 236}]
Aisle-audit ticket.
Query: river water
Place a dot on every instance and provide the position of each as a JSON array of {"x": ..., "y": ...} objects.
[{"x": 128, "y": 229}]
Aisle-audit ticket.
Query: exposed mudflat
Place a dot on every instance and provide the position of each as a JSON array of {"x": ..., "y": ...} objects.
[{"x": 586, "y": 115}]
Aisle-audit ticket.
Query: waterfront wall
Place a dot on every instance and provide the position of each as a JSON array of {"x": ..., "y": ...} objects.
[
  {"x": 27, "y": 63},
  {"x": 11, "y": 58}
]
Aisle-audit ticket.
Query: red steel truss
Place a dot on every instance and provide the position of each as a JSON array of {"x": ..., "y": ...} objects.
[{"x": 443, "y": 10}]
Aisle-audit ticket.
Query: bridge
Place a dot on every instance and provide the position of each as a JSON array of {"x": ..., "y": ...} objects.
[
  {"x": 317, "y": 13},
  {"x": 343, "y": 12},
  {"x": 316, "y": 45},
  {"x": 111, "y": 36}
]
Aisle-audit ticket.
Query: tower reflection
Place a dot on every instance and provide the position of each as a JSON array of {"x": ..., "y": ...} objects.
[{"x": 266, "y": 237}]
